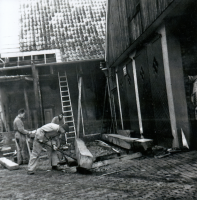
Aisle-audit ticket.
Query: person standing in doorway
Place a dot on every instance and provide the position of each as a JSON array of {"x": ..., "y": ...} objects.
[{"x": 20, "y": 138}]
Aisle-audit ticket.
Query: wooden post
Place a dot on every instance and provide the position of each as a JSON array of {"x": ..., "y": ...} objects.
[
  {"x": 119, "y": 101},
  {"x": 106, "y": 72},
  {"x": 79, "y": 105},
  {"x": 38, "y": 102},
  {"x": 27, "y": 108}
]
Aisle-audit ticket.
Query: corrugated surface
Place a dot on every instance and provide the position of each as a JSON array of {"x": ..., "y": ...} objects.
[{"x": 76, "y": 27}]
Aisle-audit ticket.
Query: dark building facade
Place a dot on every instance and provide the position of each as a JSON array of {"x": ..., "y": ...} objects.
[{"x": 150, "y": 52}]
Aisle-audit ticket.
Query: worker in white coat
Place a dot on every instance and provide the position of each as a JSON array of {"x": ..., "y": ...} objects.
[{"x": 46, "y": 137}]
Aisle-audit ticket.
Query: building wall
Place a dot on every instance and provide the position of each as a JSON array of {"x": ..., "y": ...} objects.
[
  {"x": 92, "y": 95},
  {"x": 188, "y": 43},
  {"x": 127, "y": 20},
  {"x": 4, "y": 111},
  {"x": 128, "y": 97}
]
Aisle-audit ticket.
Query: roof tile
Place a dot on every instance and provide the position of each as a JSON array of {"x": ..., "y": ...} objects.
[{"x": 76, "y": 27}]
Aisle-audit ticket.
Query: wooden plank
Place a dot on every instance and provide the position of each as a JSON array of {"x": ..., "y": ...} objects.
[
  {"x": 124, "y": 25},
  {"x": 37, "y": 93},
  {"x": 126, "y": 133},
  {"x": 79, "y": 105},
  {"x": 84, "y": 156},
  {"x": 27, "y": 108},
  {"x": 144, "y": 143},
  {"x": 119, "y": 140},
  {"x": 115, "y": 160},
  {"x": 8, "y": 163},
  {"x": 4, "y": 149}
]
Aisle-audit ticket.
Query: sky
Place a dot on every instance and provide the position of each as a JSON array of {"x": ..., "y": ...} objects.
[{"x": 9, "y": 23}]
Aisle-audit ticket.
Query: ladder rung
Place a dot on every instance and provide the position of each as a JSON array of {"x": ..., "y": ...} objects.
[
  {"x": 64, "y": 93},
  {"x": 69, "y": 121},
  {"x": 71, "y": 132},
  {"x": 70, "y": 138}
]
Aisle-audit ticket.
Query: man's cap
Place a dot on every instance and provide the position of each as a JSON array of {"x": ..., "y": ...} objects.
[{"x": 21, "y": 111}]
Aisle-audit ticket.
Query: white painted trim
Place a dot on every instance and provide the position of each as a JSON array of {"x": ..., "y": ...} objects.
[
  {"x": 119, "y": 101},
  {"x": 162, "y": 31},
  {"x": 137, "y": 93},
  {"x": 29, "y": 53}
]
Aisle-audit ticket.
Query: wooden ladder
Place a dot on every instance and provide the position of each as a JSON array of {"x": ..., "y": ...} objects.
[{"x": 66, "y": 105}]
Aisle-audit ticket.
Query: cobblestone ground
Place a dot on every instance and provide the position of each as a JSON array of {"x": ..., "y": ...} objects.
[{"x": 173, "y": 177}]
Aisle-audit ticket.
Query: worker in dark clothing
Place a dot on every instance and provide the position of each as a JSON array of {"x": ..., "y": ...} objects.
[
  {"x": 20, "y": 138},
  {"x": 46, "y": 137},
  {"x": 63, "y": 140}
]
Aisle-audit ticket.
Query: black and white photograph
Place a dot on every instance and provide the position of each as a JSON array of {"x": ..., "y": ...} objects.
[{"x": 98, "y": 99}]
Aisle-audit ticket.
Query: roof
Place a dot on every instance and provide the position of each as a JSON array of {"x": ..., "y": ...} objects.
[{"x": 76, "y": 27}]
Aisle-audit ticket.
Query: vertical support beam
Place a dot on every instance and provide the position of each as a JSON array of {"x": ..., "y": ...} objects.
[
  {"x": 119, "y": 101},
  {"x": 173, "y": 70},
  {"x": 106, "y": 72},
  {"x": 169, "y": 86},
  {"x": 137, "y": 94},
  {"x": 38, "y": 102},
  {"x": 45, "y": 60},
  {"x": 79, "y": 105},
  {"x": 27, "y": 108},
  {"x": 51, "y": 69}
]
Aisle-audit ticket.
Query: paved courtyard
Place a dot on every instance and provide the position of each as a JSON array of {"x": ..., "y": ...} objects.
[{"x": 173, "y": 177}]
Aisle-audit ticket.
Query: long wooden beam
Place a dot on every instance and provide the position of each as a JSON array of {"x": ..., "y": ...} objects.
[
  {"x": 49, "y": 64},
  {"x": 27, "y": 108},
  {"x": 37, "y": 93},
  {"x": 79, "y": 105}
]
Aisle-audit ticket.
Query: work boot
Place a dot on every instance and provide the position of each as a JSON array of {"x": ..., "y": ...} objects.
[
  {"x": 63, "y": 161},
  {"x": 57, "y": 168},
  {"x": 30, "y": 172}
]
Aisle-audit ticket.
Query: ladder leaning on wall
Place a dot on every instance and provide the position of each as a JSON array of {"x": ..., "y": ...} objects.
[{"x": 66, "y": 105}]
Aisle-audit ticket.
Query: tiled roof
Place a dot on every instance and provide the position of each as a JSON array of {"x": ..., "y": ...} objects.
[{"x": 76, "y": 27}]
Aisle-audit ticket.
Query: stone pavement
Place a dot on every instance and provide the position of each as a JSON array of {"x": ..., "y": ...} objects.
[{"x": 173, "y": 177}]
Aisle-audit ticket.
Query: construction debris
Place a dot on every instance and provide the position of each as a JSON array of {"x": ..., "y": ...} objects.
[
  {"x": 10, "y": 153},
  {"x": 8, "y": 163},
  {"x": 84, "y": 157},
  {"x": 115, "y": 160},
  {"x": 4, "y": 149},
  {"x": 103, "y": 144}
]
